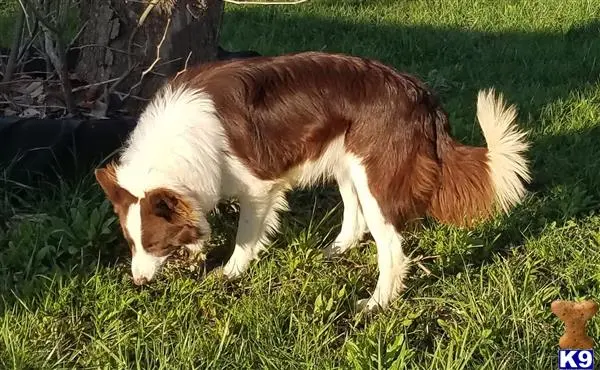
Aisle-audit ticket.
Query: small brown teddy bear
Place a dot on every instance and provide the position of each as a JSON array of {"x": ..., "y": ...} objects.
[{"x": 575, "y": 316}]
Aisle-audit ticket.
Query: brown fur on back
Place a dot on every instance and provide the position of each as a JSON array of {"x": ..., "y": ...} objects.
[{"x": 280, "y": 112}]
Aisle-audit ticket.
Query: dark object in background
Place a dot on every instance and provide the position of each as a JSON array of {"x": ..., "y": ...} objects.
[
  {"x": 33, "y": 149},
  {"x": 49, "y": 149},
  {"x": 223, "y": 54},
  {"x": 35, "y": 65}
]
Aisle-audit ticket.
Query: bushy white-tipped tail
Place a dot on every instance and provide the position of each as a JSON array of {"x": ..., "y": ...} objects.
[{"x": 506, "y": 148}]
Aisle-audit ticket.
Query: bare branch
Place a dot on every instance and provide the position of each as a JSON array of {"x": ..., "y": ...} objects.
[
  {"x": 27, "y": 17},
  {"x": 58, "y": 58},
  {"x": 185, "y": 65},
  {"x": 114, "y": 50},
  {"x": 147, "y": 70},
  {"x": 14, "y": 48},
  {"x": 122, "y": 77},
  {"x": 124, "y": 96},
  {"x": 43, "y": 20},
  {"x": 33, "y": 37},
  {"x": 74, "y": 39},
  {"x": 146, "y": 12},
  {"x": 162, "y": 40},
  {"x": 130, "y": 65},
  {"x": 85, "y": 87}
]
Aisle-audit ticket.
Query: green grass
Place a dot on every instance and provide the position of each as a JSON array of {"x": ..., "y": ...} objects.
[
  {"x": 68, "y": 302},
  {"x": 7, "y": 15}
]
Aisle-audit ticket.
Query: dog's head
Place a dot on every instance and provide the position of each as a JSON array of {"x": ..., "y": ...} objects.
[{"x": 154, "y": 225}]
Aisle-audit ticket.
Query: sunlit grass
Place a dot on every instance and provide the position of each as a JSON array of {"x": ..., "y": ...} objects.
[{"x": 68, "y": 301}]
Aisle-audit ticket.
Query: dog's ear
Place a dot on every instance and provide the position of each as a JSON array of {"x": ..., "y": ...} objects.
[
  {"x": 185, "y": 226},
  {"x": 170, "y": 206},
  {"x": 165, "y": 204},
  {"x": 117, "y": 195}
]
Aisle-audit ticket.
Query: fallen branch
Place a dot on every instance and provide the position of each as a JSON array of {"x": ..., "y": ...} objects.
[
  {"x": 418, "y": 260},
  {"x": 8, "y": 83},
  {"x": 33, "y": 106}
]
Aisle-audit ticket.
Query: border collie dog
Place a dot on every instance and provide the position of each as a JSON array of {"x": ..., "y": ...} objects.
[{"x": 255, "y": 128}]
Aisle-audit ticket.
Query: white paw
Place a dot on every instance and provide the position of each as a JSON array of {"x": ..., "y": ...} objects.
[
  {"x": 231, "y": 271},
  {"x": 333, "y": 250},
  {"x": 368, "y": 305},
  {"x": 236, "y": 266},
  {"x": 339, "y": 247}
]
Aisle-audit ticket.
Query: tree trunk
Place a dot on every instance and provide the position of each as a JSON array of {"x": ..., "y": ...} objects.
[{"x": 130, "y": 48}]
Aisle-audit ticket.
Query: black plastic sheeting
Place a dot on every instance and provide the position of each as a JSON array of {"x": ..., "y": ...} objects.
[
  {"x": 35, "y": 151},
  {"x": 57, "y": 149}
]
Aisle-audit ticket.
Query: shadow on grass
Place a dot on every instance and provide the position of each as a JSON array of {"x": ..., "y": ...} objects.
[{"x": 532, "y": 69}]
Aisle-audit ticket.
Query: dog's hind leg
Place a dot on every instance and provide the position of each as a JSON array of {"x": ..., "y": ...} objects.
[{"x": 392, "y": 262}]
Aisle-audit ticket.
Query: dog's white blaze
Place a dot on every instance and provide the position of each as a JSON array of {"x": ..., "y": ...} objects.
[{"x": 143, "y": 264}]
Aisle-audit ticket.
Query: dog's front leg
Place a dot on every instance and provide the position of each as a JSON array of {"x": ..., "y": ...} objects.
[{"x": 258, "y": 217}]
